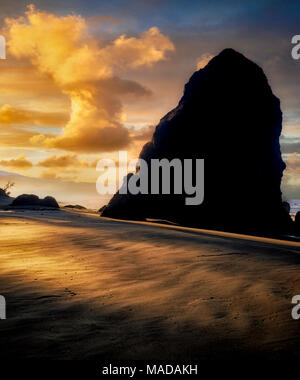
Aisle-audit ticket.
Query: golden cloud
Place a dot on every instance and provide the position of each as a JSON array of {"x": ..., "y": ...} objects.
[
  {"x": 64, "y": 175},
  {"x": 144, "y": 134},
  {"x": 145, "y": 50},
  {"x": 64, "y": 160},
  {"x": 48, "y": 174},
  {"x": 17, "y": 137},
  {"x": 292, "y": 160},
  {"x": 20, "y": 163},
  {"x": 203, "y": 60},
  {"x": 61, "y": 48},
  {"x": 20, "y": 78},
  {"x": 11, "y": 115}
]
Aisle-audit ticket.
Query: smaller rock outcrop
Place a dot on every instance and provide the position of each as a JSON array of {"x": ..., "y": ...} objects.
[
  {"x": 5, "y": 200},
  {"x": 3, "y": 194},
  {"x": 33, "y": 201},
  {"x": 77, "y": 207}
]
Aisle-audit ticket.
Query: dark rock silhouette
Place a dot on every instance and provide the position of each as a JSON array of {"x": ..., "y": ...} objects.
[
  {"x": 297, "y": 221},
  {"x": 101, "y": 209},
  {"x": 286, "y": 206},
  {"x": 33, "y": 201},
  {"x": 5, "y": 199},
  {"x": 78, "y": 207},
  {"x": 229, "y": 116},
  {"x": 3, "y": 194}
]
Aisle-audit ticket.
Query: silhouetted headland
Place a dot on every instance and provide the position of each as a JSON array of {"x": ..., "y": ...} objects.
[{"x": 229, "y": 116}]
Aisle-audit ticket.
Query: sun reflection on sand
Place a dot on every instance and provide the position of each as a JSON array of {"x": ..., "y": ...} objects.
[{"x": 141, "y": 276}]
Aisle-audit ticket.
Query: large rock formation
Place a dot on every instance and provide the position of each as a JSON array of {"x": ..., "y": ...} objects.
[{"x": 229, "y": 116}]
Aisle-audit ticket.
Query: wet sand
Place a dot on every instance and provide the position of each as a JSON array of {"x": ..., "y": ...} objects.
[{"x": 81, "y": 287}]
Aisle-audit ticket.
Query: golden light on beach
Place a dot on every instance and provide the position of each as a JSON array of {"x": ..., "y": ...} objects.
[
  {"x": 149, "y": 185},
  {"x": 56, "y": 255}
]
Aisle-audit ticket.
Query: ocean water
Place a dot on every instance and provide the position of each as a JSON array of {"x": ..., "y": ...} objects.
[{"x": 295, "y": 205}]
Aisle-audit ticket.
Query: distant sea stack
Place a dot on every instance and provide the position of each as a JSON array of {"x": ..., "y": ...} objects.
[{"x": 229, "y": 116}]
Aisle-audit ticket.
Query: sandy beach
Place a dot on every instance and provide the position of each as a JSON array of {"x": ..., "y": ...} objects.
[{"x": 78, "y": 286}]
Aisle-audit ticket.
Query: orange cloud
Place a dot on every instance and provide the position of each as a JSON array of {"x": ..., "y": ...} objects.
[
  {"x": 64, "y": 160},
  {"x": 17, "y": 137},
  {"x": 21, "y": 78},
  {"x": 203, "y": 60},
  {"x": 11, "y": 115},
  {"x": 48, "y": 174},
  {"x": 61, "y": 48},
  {"x": 143, "y": 134},
  {"x": 20, "y": 163},
  {"x": 64, "y": 176},
  {"x": 145, "y": 50}
]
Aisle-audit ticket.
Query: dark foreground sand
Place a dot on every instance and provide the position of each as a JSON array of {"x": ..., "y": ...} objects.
[{"x": 81, "y": 287}]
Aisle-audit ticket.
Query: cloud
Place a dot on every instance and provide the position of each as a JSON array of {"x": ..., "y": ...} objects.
[
  {"x": 143, "y": 134},
  {"x": 64, "y": 160},
  {"x": 48, "y": 174},
  {"x": 123, "y": 87},
  {"x": 20, "y": 78},
  {"x": 290, "y": 181},
  {"x": 20, "y": 163},
  {"x": 17, "y": 137},
  {"x": 203, "y": 60},
  {"x": 292, "y": 166},
  {"x": 293, "y": 160},
  {"x": 147, "y": 49},
  {"x": 287, "y": 146},
  {"x": 63, "y": 176},
  {"x": 11, "y": 115},
  {"x": 61, "y": 48},
  {"x": 103, "y": 19}
]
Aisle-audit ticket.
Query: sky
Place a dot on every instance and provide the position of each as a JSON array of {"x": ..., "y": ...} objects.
[{"x": 85, "y": 79}]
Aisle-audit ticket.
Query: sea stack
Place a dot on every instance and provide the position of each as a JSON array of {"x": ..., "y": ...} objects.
[{"x": 229, "y": 116}]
